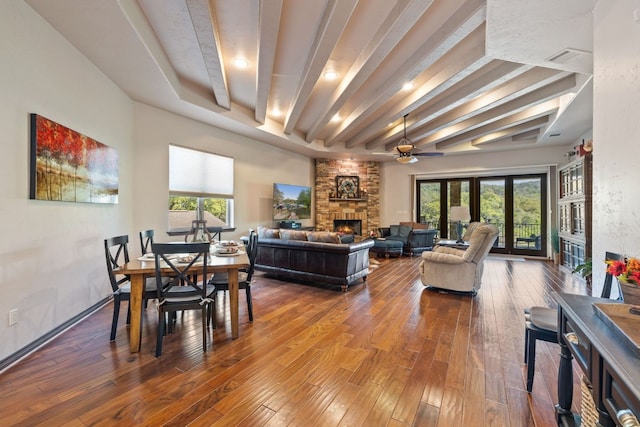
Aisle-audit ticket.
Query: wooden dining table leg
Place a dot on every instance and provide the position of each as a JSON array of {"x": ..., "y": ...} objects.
[
  {"x": 233, "y": 299},
  {"x": 135, "y": 305}
]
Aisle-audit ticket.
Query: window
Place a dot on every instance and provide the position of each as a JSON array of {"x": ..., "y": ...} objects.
[{"x": 200, "y": 187}]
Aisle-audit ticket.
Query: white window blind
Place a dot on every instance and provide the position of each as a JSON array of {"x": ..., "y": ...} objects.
[{"x": 200, "y": 174}]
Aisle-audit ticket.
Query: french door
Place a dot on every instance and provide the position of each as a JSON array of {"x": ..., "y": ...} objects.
[{"x": 516, "y": 205}]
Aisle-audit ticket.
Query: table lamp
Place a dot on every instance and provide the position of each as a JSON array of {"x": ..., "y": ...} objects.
[{"x": 459, "y": 214}]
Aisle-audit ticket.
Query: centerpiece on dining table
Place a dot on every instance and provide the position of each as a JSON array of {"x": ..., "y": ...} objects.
[{"x": 226, "y": 248}]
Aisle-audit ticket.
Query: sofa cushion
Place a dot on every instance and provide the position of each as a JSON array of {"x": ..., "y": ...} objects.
[
  {"x": 268, "y": 233},
  {"x": 399, "y": 233},
  {"x": 286, "y": 234},
  {"x": 323, "y": 237},
  {"x": 347, "y": 238},
  {"x": 404, "y": 230}
]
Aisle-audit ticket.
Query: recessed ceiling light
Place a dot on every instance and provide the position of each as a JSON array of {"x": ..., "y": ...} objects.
[
  {"x": 330, "y": 75},
  {"x": 336, "y": 118},
  {"x": 408, "y": 86},
  {"x": 276, "y": 112},
  {"x": 241, "y": 63}
]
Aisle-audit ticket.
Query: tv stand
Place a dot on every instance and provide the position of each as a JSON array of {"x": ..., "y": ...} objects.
[{"x": 290, "y": 224}]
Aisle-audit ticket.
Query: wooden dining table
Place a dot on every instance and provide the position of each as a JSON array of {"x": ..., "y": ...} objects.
[{"x": 138, "y": 271}]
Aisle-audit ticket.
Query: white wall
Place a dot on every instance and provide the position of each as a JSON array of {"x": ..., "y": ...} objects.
[
  {"x": 51, "y": 258},
  {"x": 257, "y": 167},
  {"x": 616, "y": 130}
]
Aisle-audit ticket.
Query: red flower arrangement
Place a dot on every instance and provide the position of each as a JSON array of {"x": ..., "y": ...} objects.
[{"x": 627, "y": 271}]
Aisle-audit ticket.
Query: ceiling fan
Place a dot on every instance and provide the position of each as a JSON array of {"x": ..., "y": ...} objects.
[{"x": 405, "y": 145}]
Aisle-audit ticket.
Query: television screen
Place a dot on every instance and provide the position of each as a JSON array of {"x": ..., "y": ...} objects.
[{"x": 291, "y": 202}]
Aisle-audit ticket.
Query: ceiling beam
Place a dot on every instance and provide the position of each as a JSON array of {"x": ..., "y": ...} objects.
[
  {"x": 480, "y": 107},
  {"x": 397, "y": 24},
  {"x": 473, "y": 128},
  {"x": 204, "y": 23},
  {"x": 464, "y": 31},
  {"x": 334, "y": 19},
  {"x": 488, "y": 77},
  {"x": 268, "y": 26},
  {"x": 550, "y": 91},
  {"x": 509, "y": 131}
]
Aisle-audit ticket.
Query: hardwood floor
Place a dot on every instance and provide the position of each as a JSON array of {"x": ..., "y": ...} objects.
[{"x": 388, "y": 353}]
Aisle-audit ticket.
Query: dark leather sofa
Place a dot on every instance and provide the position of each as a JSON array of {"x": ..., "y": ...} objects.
[
  {"x": 339, "y": 264},
  {"x": 415, "y": 240}
]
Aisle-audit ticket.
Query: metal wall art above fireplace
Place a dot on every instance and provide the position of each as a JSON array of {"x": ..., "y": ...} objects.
[{"x": 348, "y": 187}]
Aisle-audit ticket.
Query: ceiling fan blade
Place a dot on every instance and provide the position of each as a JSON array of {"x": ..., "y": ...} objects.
[{"x": 429, "y": 154}]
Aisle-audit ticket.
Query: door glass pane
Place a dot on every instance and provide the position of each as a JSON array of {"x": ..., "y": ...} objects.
[
  {"x": 527, "y": 213},
  {"x": 457, "y": 195},
  {"x": 492, "y": 205},
  {"x": 430, "y": 203}
]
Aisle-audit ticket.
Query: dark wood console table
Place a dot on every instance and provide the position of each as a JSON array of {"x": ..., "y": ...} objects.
[{"x": 611, "y": 367}]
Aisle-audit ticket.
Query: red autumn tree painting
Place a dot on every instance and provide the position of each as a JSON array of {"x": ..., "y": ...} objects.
[{"x": 71, "y": 167}]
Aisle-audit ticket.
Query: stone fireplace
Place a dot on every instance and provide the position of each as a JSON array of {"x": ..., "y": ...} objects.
[
  {"x": 364, "y": 209},
  {"x": 348, "y": 226}
]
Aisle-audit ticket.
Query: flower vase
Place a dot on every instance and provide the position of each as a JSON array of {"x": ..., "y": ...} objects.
[{"x": 630, "y": 292}]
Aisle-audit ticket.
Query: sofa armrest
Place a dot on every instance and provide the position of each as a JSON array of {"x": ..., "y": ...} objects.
[
  {"x": 384, "y": 231},
  {"x": 421, "y": 239}
]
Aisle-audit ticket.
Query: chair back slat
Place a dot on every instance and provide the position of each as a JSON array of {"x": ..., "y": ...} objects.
[
  {"x": 116, "y": 254},
  {"x": 185, "y": 274},
  {"x": 252, "y": 251},
  {"x": 146, "y": 240}
]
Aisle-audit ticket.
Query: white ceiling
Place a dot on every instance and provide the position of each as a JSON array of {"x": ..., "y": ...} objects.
[{"x": 481, "y": 70}]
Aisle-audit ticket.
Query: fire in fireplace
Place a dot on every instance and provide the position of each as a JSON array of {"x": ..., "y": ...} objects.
[{"x": 348, "y": 226}]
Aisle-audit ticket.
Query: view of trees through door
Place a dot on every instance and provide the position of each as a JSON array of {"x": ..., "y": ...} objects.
[{"x": 514, "y": 204}]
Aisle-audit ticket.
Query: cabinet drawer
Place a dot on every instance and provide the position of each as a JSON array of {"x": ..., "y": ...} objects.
[
  {"x": 616, "y": 395},
  {"x": 579, "y": 345}
]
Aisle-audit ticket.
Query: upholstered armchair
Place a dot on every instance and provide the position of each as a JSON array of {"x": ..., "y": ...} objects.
[{"x": 455, "y": 269}]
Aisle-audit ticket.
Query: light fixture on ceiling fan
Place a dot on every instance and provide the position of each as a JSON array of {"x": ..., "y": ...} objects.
[
  {"x": 406, "y": 158},
  {"x": 405, "y": 145}
]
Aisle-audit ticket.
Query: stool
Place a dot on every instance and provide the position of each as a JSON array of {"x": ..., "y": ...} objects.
[
  {"x": 387, "y": 247},
  {"x": 541, "y": 323}
]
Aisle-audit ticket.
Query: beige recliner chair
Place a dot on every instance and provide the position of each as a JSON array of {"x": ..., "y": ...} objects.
[{"x": 455, "y": 269}]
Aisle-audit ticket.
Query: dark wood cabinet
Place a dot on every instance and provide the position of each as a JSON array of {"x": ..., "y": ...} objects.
[{"x": 574, "y": 211}]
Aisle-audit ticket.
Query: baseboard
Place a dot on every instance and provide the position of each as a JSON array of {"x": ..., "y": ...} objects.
[{"x": 30, "y": 348}]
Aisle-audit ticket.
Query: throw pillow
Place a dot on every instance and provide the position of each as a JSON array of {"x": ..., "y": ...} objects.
[
  {"x": 394, "y": 230},
  {"x": 268, "y": 233},
  {"x": 286, "y": 234},
  {"x": 347, "y": 238},
  {"x": 323, "y": 237}
]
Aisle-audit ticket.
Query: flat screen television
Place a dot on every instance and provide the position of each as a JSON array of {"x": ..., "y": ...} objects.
[{"x": 291, "y": 202}]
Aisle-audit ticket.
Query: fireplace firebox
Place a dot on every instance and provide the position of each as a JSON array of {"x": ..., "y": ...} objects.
[{"x": 348, "y": 226}]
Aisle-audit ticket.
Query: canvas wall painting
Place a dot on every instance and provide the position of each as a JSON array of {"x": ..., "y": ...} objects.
[{"x": 70, "y": 167}]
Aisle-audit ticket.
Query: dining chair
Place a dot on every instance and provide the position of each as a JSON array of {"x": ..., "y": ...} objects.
[
  {"x": 541, "y": 323},
  {"x": 117, "y": 254},
  {"x": 146, "y": 240},
  {"x": 187, "y": 262},
  {"x": 221, "y": 280},
  {"x": 216, "y": 233}
]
